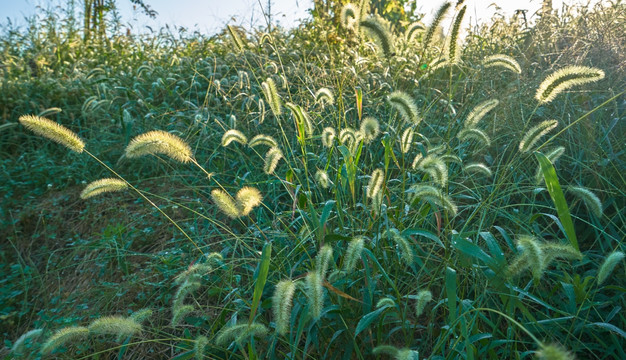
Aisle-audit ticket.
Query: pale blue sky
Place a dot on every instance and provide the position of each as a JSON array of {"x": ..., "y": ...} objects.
[{"x": 209, "y": 16}]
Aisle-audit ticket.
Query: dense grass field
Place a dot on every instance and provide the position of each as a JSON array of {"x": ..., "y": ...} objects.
[{"x": 354, "y": 188}]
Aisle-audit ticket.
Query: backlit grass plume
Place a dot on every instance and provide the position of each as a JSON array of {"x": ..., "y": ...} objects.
[
  {"x": 235, "y": 37},
  {"x": 200, "y": 346},
  {"x": 18, "y": 345},
  {"x": 479, "y": 112},
  {"x": 406, "y": 252},
  {"x": 430, "y": 33},
  {"x": 353, "y": 253},
  {"x": 63, "y": 336},
  {"x": 323, "y": 260},
  {"x": 247, "y": 198},
  {"x": 315, "y": 293},
  {"x": 413, "y": 30},
  {"x": 553, "y": 352},
  {"x": 453, "y": 48},
  {"x": 159, "y": 142},
  {"x": 101, "y": 186},
  {"x": 381, "y": 35},
  {"x": 407, "y": 139},
  {"x": 225, "y": 203},
  {"x": 324, "y": 96},
  {"x": 179, "y": 313},
  {"x": 321, "y": 178},
  {"x": 115, "y": 325},
  {"x": 423, "y": 297},
  {"x": 370, "y": 129},
  {"x": 405, "y": 105},
  {"x": 271, "y": 95},
  {"x": 350, "y": 13},
  {"x": 234, "y": 135},
  {"x": 262, "y": 140},
  {"x": 272, "y": 157},
  {"x": 591, "y": 200},
  {"x": 564, "y": 79},
  {"x": 478, "y": 168},
  {"x": 53, "y": 131},
  {"x": 474, "y": 134},
  {"x": 348, "y": 138},
  {"x": 535, "y": 133},
  {"x": 436, "y": 169},
  {"x": 328, "y": 137},
  {"x": 503, "y": 61},
  {"x": 395, "y": 353},
  {"x": 239, "y": 333},
  {"x": 302, "y": 118},
  {"x": 434, "y": 195},
  {"x": 376, "y": 183},
  {"x": 281, "y": 305},
  {"x": 609, "y": 265}
]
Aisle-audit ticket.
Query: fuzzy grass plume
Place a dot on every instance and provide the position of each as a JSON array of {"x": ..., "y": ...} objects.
[
  {"x": 63, "y": 336},
  {"x": 115, "y": 325},
  {"x": 323, "y": 260},
  {"x": 609, "y": 265},
  {"x": 591, "y": 200},
  {"x": 321, "y": 178},
  {"x": 436, "y": 169},
  {"x": 324, "y": 96},
  {"x": 376, "y": 183},
  {"x": 240, "y": 333},
  {"x": 18, "y": 345},
  {"x": 247, "y": 198},
  {"x": 381, "y": 35},
  {"x": 53, "y": 131},
  {"x": 159, "y": 142},
  {"x": 478, "y": 168},
  {"x": 272, "y": 157},
  {"x": 101, "y": 186},
  {"x": 405, "y": 105},
  {"x": 328, "y": 137},
  {"x": 406, "y": 251},
  {"x": 200, "y": 346},
  {"x": 535, "y": 133},
  {"x": 271, "y": 96},
  {"x": 281, "y": 305},
  {"x": 262, "y": 140},
  {"x": 503, "y": 61},
  {"x": 370, "y": 129},
  {"x": 315, "y": 293},
  {"x": 234, "y": 135},
  {"x": 430, "y": 33},
  {"x": 413, "y": 30},
  {"x": 553, "y": 352},
  {"x": 479, "y": 112},
  {"x": 353, "y": 253},
  {"x": 434, "y": 195},
  {"x": 349, "y": 15},
  {"x": 474, "y": 134},
  {"x": 564, "y": 79},
  {"x": 406, "y": 140},
  {"x": 454, "y": 50},
  {"x": 423, "y": 297}
]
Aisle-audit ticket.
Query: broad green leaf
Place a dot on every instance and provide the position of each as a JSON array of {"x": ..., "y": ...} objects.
[
  {"x": 367, "y": 319},
  {"x": 451, "y": 292},
  {"x": 261, "y": 278},
  {"x": 469, "y": 248},
  {"x": 554, "y": 188}
]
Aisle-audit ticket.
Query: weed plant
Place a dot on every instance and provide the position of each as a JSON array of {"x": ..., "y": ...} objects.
[{"x": 344, "y": 191}]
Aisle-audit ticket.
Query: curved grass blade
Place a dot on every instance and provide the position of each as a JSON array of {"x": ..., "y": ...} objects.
[{"x": 261, "y": 278}]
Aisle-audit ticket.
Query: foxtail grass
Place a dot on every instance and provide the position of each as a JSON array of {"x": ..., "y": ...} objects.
[
  {"x": 535, "y": 133},
  {"x": 405, "y": 105},
  {"x": 353, "y": 253},
  {"x": 159, "y": 142},
  {"x": 53, "y": 131},
  {"x": 272, "y": 157},
  {"x": 381, "y": 35},
  {"x": 102, "y": 186},
  {"x": 234, "y": 135},
  {"x": 591, "y": 200},
  {"x": 281, "y": 305},
  {"x": 609, "y": 265},
  {"x": 503, "y": 61},
  {"x": 564, "y": 79},
  {"x": 63, "y": 336},
  {"x": 271, "y": 95},
  {"x": 479, "y": 112}
]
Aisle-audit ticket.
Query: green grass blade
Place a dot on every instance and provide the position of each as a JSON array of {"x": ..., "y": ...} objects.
[
  {"x": 451, "y": 293},
  {"x": 554, "y": 188},
  {"x": 261, "y": 278}
]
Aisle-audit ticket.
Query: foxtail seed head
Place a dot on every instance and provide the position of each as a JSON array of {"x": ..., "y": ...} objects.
[
  {"x": 324, "y": 96},
  {"x": 271, "y": 95},
  {"x": 272, "y": 158},
  {"x": 564, "y": 79},
  {"x": 19, "y": 343},
  {"x": 159, "y": 142},
  {"x": 200, "y": 347},
  {"x": 321, "y": 178},
  {"x": 478, "y": 168},
  {"x": 353, "y": 253},
  {"x": 262, "y": 140},
  {"x": 535, "y": 133},
  {"x": 376, "y": 183},
  {"x": 503, "y": 61},
  {"x": 370, "y": 129},
  {"x": 281, "y": 305},
  {"x": 407, "y": 139},
  {"x": 474, "y": 134},
  {"x": 115, "y": 325},
  {"x": 328, "y": 137},
  {"x": 315, "y": 293},
  {"x": 423, "y": 297},
  {"x": 379, "y": 32},
  {"x": 63, "y": 336},
  {"x": 101, "y": 186},
  {"x": 405, "y": 106},
  {"x": 479, "y": 112},
  {"x": 608, "y": 265},
  {"x": 234, "y": 135},
  {"x": 591, "y": 200},
  {"x": 53, "y": 131}
]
